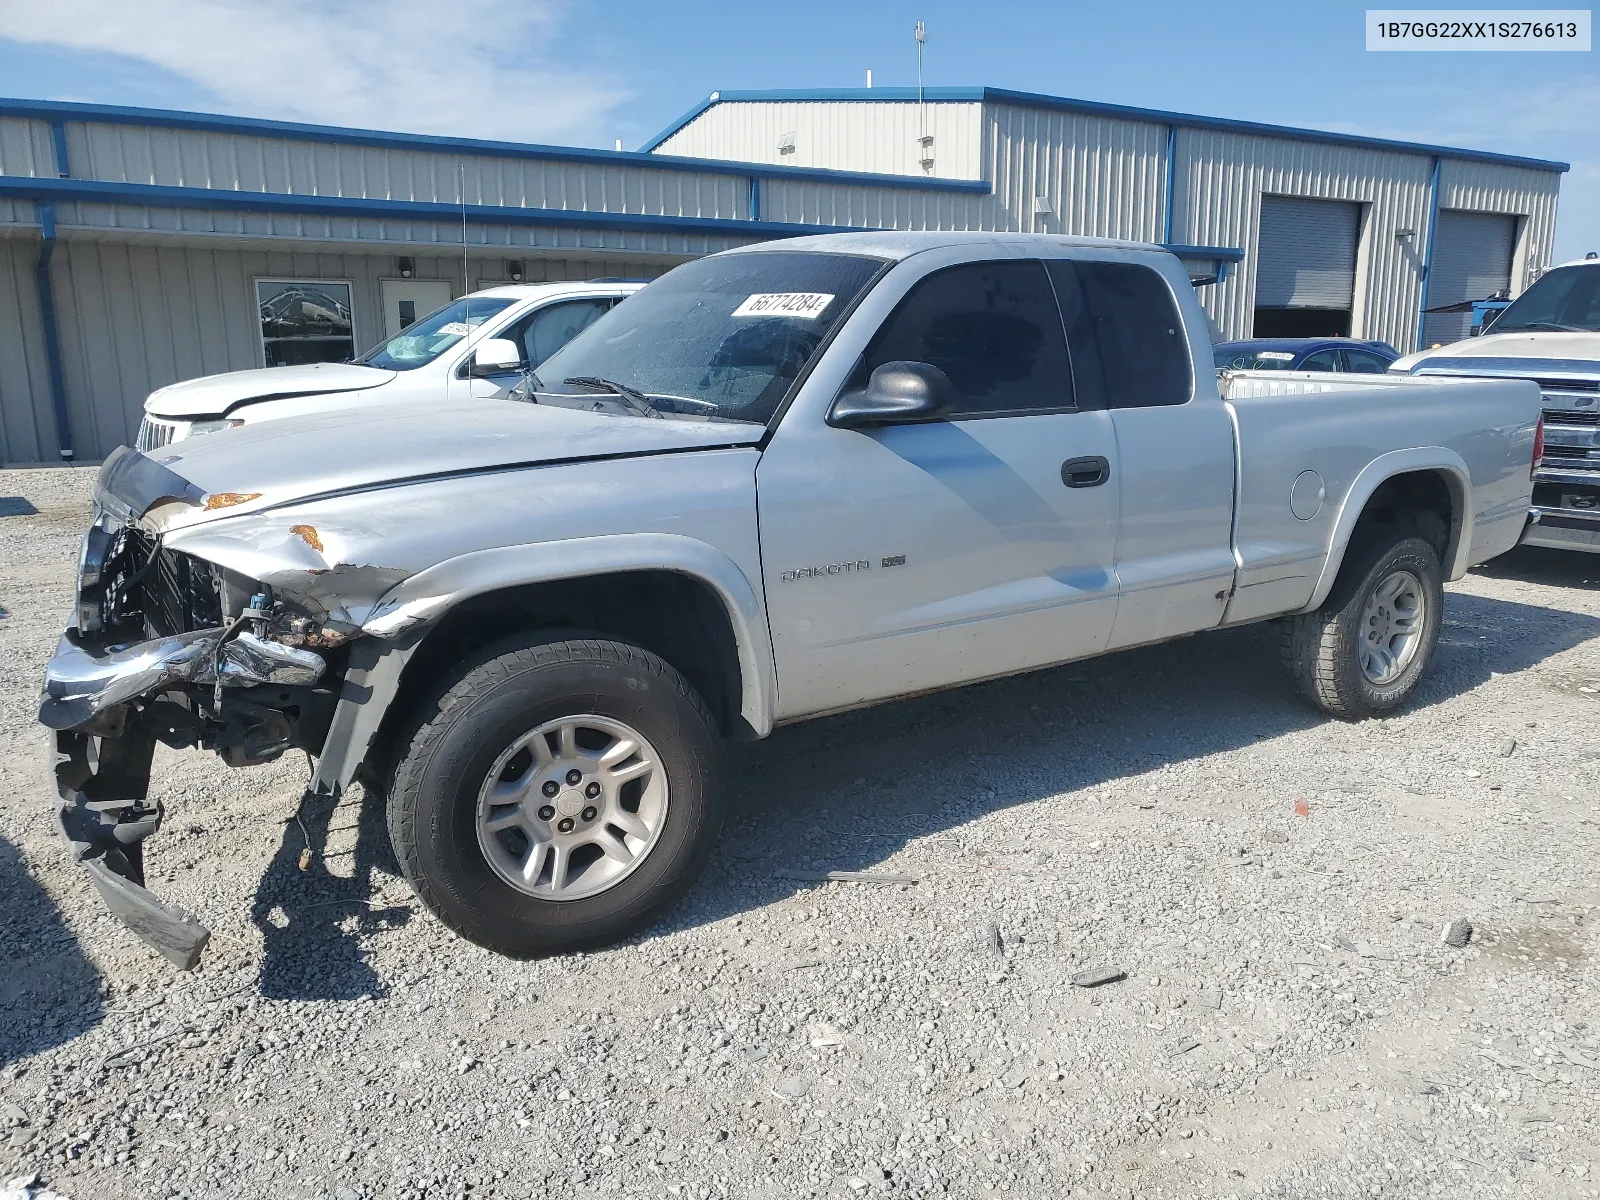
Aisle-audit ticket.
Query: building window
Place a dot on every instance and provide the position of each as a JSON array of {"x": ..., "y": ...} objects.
[{"x": 304, "y": 321}]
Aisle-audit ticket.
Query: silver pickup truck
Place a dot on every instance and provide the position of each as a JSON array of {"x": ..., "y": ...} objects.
[{"x": 778, "y": 482}]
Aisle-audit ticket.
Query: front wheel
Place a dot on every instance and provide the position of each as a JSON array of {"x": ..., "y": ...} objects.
[
  {"x": 556, "y": 794},
  {"x": 1363, "y": 652}
]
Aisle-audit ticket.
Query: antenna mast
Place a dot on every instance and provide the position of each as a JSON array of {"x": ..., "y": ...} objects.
[
  {"x": 925, "y": 139},
  {"x": 922, "y": 40},
  {"x": 466, "y": 279}
]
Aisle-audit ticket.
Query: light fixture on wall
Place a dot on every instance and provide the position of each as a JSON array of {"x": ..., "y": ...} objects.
[
  {"x": 1404, "y": 235},
  {"x": 407, "y": 267},
  {"x": 513, "y": 270}
]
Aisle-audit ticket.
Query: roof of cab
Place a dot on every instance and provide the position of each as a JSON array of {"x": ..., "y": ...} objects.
[{"x": 898, "y": 245}]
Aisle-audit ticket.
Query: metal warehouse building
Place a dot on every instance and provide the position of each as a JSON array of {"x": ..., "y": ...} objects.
[{"x": 139, "y": 247}]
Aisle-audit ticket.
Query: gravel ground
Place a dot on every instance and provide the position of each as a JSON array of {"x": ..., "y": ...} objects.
[{"x": 1274, "y": 886}]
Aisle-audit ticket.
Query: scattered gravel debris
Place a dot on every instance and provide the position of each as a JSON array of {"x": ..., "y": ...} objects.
[{"x": 772, "y": 1039}]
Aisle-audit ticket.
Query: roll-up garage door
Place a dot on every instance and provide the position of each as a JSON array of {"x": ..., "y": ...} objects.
[
  {"x": 1471, "y": 261},
  {"x": 1305, "y": 267}
]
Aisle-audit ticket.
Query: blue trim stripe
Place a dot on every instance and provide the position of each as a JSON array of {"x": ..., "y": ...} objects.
[
  {"x": 111, "y": 114},
  {"x": 163, "y": 196},
  {"x": 1097, "y": 108},
  {"x": 1427, "y": 252},
  {"x": 58, "y": 138},
  {"x": 52, "y": 336},
  {"x": 1168, "y": 215}
]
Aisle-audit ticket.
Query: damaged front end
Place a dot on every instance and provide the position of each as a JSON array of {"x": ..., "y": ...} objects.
[{"x": 168, "y": 647}]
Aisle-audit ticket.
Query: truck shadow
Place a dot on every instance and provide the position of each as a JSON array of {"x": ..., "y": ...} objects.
[
  {"x": 49, "y": 992},
  {"x": 846, "y": 792},
  {"x": 1554, "y": 568},
  {"x": 314, "y": 924}
]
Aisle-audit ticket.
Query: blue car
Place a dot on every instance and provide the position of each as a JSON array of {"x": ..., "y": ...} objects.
[{"x": 1305, "y": 354}]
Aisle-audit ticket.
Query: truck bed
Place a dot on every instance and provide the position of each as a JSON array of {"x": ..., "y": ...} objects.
[{"x": 1309, "y": 447}]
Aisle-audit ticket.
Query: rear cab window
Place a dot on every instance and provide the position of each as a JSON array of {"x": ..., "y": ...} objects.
[{"x": 1127, "y": 337}]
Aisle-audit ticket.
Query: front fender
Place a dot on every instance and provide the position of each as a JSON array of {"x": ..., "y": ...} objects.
[
  {"x": 1380, "y": 470},
  {"x": 426, "y": 596}
]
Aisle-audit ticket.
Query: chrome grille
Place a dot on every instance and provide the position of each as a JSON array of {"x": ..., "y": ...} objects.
[
  {"x": 1554, "y": 417},
  {"x": 155, "y": 433}
]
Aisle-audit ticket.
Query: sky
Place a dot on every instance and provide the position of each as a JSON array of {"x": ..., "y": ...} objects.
[{"x": 589, "y": 73}]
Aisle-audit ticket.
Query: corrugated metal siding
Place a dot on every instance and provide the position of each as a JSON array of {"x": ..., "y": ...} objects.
[
  {"x": 1222, "y": 177},
  {"x": 812, "y": 203},
  {"x": 135, "y": 317},
  {"x": 1104, "y": 177},
  {"x": 877, "y": 135},
  {"x": 26, "y": 147},
  {"x": 137, "y": 219},
  {"x": 197, "y": 158},
  {"x": 1489, "y": 187},
  {"x": 27, "y": 425}
]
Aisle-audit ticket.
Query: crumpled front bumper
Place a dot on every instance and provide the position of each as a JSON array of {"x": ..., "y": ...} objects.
[
  {"x": 81, "y": 682},
  {"x": 102, "y": 781},
  {"x": 106, "y": 838}
]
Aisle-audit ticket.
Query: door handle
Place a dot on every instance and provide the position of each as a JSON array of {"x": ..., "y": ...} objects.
[{"x": 1091, "y": 471}]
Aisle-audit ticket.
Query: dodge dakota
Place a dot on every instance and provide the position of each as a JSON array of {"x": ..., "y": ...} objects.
[{"x": 781, "y": 481}]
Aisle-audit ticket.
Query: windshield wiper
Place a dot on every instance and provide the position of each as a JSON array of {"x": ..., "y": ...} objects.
[{"x": 635, "y": 398}]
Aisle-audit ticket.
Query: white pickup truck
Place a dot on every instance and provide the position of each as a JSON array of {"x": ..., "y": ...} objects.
[
  {"x": 477, "y": 346},
  {"x": 781, "y": 481},
  {"x": 1551, "y": 335}
]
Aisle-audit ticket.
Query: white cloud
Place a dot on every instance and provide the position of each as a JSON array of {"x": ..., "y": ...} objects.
[{"x": 490, "y": 68}]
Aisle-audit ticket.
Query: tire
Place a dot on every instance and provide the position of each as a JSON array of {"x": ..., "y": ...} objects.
[
  {"x": 460, "y": 842},
  {"x": 1323, "y": 650}
]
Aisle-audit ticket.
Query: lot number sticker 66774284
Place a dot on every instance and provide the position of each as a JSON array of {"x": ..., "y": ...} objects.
[{"x": 807, "y": 305}]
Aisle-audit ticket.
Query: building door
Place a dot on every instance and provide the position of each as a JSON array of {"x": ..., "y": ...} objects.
[
  {"x": 1306, "y": 267},
  {"x": 406, "y": 301},
  {"x": 1471, "y": 261}
]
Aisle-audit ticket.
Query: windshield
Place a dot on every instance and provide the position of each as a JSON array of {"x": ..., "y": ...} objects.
[
  {"x": 1234, "y": 359},
  {"x": 1564, "y": 300},
  {"x": 423, "y": 341},
  {"x": 721, "y": 338}
]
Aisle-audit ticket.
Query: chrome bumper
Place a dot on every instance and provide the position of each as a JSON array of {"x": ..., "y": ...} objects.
[
  {"x": 1562, "y": 529},
  {"x": 80, "y": 683}
]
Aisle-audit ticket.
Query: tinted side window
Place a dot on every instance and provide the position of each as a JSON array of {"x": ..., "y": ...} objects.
[
  {"x": 993, "y": 328},
  {"x": 1322, "y": 360},
  {"x": 1363, "y": 363},
  {"x": 1139, "y": 336}
]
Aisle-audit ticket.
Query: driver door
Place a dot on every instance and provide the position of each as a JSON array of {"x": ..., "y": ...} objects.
[{"x": 910, "y": 557}]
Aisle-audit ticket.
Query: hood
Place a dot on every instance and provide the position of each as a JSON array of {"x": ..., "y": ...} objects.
[
  {"x": 278, "y": 462},
  {"x": 217, "y": 395},
  {"x": 1576, "y": 352}
]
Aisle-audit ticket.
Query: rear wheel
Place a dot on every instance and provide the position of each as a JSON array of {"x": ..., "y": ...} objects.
[
  {"x": 556, "y": 794},
  {"x": 1363, "y": 652}
]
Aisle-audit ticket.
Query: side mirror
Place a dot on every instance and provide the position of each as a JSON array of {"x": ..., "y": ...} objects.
[
  {"x": 495, "y": 356},
  {"x": 899, "y": 393}
]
